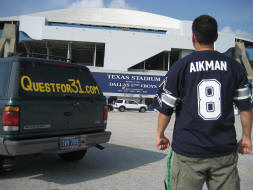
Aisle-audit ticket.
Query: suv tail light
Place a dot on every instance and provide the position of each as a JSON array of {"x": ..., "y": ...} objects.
[
  {"x": 105, "y": 113},
  {"x": 10, "y": 118}
]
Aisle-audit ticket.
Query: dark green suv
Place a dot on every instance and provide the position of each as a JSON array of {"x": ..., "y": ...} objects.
[{"x": 49, "y": 106}]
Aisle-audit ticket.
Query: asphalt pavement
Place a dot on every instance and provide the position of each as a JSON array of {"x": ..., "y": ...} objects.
[{"x": 130, "y": 161}]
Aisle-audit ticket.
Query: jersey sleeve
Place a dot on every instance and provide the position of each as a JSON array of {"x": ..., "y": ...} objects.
[
  {"x": 167, "y": 96},
  {"x": 242, "y": 96}
]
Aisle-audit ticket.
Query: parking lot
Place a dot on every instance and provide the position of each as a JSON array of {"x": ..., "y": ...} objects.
[{"x": 129, "y": 161}]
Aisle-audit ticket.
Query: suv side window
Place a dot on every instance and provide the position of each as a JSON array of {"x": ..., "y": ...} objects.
[
  {"x": 132, "y": 102},
  {"x": 119, "y": 101}
]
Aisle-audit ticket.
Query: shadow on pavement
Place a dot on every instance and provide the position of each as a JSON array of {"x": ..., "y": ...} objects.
[{"x": 96, "y": 164}]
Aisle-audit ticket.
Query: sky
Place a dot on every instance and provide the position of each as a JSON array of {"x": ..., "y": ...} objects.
[{"x": 233, "y": 16}]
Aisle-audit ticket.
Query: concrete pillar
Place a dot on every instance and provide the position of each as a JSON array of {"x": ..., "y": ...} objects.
[
  {"x": 69, "y": 55},
  {"x": 169, "y": 60},
  {"x": 95, "y": 55},
  {"x": 6, "y": 48},
  {"x": 8, "y": 39},
  {"x": 241, "y": 57},
  {"x": 2, "y": 41}
]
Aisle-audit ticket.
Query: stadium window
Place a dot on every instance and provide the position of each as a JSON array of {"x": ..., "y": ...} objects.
[
  {"x": 156, "y": 62},
  {"x": 174, "y": 56}
]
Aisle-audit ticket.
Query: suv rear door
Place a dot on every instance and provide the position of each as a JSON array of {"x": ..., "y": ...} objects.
[{"x": 58, "y": 99}]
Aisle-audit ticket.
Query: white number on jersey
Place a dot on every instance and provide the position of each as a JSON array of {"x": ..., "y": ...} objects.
[{"x": 209, "y": 99}]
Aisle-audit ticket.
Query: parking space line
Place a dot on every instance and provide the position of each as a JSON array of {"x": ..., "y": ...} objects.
[
  {"x": 148, "y": 171},
  {"x": 144, "y": 171},
  {"x": 245, "y": 172},
  {"x": 151, "y": 171},
  {"x": 127, "y": 171}
]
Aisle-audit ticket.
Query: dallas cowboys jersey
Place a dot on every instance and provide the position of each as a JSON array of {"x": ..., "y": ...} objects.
[{"x": 202, "y": 88}]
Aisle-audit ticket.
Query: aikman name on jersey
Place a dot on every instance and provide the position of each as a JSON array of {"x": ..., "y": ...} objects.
[{"x": 199, "y": 66}]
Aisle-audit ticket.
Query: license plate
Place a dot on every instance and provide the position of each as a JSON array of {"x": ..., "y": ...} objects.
[{"x": 69, "y": 142}]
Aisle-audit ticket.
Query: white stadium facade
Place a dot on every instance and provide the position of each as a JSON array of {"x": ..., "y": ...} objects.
[{"x": 127, "y": 51}]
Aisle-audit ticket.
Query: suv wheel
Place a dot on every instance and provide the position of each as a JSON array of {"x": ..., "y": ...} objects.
[
  {"x": 73, "y": 156},
  {"x": 121, "y": 109},
  {"x": 1, "y": 163},
  {"x": 142, "y": 110}
]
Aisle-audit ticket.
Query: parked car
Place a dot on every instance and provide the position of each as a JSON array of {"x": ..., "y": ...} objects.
[
  {"x": 49, "y": 106},
  {"x": 123, "y": 105}
]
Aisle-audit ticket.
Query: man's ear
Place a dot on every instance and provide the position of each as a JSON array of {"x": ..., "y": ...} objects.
[
  {"x": 217, "y": 36},
  {"x": 194, "y": 39}
]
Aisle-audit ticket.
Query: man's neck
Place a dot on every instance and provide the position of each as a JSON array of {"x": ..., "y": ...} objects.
[{"x": 204, "y": 47}]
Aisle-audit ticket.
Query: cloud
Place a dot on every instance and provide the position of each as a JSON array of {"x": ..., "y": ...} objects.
[
  {"x": 237, "y": 32},
  {"x": 120, "y": 4},
  {"x": 87, "y": 4},
  {"x": 227, "y": 29}
]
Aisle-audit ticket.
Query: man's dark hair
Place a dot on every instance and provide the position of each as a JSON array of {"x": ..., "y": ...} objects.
[{"x": 205, "y": 29}]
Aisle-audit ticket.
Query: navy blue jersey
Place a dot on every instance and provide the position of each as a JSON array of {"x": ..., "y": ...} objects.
[{"x": 202, "y": 88}]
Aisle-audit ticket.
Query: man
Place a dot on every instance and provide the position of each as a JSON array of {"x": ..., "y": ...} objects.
[{"x": 202, "y": 88}]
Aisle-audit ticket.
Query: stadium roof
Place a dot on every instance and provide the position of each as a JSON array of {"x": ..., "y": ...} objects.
[{"x": 107, "y": 17}]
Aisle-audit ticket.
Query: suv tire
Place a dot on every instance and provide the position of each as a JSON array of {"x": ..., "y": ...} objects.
[
  {"x": 73, "y": 156},
  {"x": 142, "y": 110},
  {"x": 1, "y": 163},
  {"x": 121, "y": 109}
]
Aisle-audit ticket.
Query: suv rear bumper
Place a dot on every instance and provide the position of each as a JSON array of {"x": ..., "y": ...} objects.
[{"x": 49, "y": 145}]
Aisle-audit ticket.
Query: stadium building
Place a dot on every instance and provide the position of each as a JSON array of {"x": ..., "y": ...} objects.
[{"x": 127, "y": 51}]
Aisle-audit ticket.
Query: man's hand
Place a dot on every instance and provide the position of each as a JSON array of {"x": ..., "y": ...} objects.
[
  {"x": 245, "y": 146},
  {"x": 162, "y": 143}
]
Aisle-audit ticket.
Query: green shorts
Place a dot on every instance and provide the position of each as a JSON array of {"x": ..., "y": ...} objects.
[{"x": 187, "y": 173}]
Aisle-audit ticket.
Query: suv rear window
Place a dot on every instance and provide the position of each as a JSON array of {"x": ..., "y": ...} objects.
[
  {"x": 5, "y": 69},
  {"x": 56, "y": 80}
]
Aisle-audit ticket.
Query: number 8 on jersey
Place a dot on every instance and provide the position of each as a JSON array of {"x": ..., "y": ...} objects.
[{"x": 209, "y": 99}]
